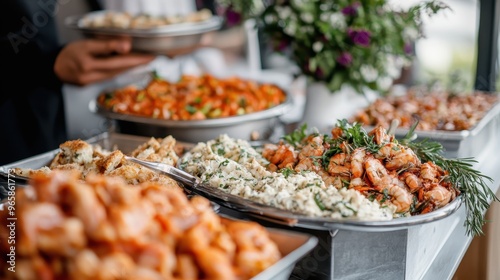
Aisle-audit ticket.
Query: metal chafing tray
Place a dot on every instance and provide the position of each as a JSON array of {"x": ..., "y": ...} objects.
[
  {"x": 261, "y": 124},
  {"x": 465, "y": 143},
  {"x": 158, "y": 40}
]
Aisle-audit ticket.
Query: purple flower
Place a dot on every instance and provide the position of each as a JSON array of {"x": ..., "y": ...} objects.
[
  {"x": 281, "y": 46},
  {"x": 351, "y": 10},
  {"x": 319, "y": 73},
  {"x": 232, "y": 17},
  {"x": 360, "y": 37},
  {"x": 408, "y": 48},
  {"x": 344, "y": 59}
]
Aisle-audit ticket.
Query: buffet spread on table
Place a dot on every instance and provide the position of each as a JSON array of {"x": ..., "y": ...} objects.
[{"x": 201, "y": 191}]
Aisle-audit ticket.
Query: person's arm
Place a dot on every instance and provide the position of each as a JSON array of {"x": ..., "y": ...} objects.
[{"x": 93, "y": 60}]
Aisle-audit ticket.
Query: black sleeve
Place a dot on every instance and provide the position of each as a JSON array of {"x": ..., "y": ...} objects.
[{"x": 28, "y": 46}]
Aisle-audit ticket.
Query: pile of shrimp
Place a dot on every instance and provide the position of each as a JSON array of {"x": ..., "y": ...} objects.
[
  {"x": 437, "y": 110},
  {"x": 102, "y": 228},
  {"x": 194, "y": 98},
  {"x": 393, "y": 175}
]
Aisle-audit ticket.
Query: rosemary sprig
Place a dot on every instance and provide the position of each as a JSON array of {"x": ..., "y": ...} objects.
[{"x": 470, "y": 182}]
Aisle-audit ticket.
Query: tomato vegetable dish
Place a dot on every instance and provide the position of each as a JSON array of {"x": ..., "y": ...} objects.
[{"x": 194, "y": 98}]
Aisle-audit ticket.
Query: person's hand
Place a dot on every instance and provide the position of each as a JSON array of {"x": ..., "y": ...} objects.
[{"x": 93, "y": 60}]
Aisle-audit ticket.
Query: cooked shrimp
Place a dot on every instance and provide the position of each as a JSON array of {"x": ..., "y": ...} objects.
[
  {"x": 186, "y": 267},
  {"x": 214, "y": 263},
  {"x": 46, "y": 229},
  {"x": 428, "y": 172},
  {"x": 308, "y": 164},
  {"x": 337, "y": 132},
  {"x": 376, "y": 172},
  {"x": 405, "y": 158},
  {"x": 438, "y": 195},
  {"x": 339, "y": 165},
  {"x": 283, "y": 156},
  {"x": 357, "y": 158},
  {"x": 397, "y": 156},
  {"x": 380, "y": 135},
  {"x": 313, "y": 147},
  {"x": 400, "y": 197},
  {"x": 382, "y": 181},
  {"x": 412, "y": 181}
]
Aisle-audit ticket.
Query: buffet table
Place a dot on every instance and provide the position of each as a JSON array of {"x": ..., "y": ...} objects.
[{"x": 429, "y": 251}]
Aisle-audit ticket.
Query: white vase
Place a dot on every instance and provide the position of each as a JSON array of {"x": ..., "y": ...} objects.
[{"x": 323, "y": 108}]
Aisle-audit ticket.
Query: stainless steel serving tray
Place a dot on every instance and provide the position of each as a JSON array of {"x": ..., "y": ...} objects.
[
  {"x": 158, "y": 40},
  {"x": 262, "y": 123},
  {"x": 284, "y": 217},
  {"x": 464, "y": 143},
  {"x": 127, "y": 143}
]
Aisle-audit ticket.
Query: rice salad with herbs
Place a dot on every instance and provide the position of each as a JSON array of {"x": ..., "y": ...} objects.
[{"x": 235, "y": 167}]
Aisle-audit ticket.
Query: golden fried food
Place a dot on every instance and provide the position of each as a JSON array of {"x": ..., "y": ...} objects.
[
  {"x": 87, "y": 159},
  {"x": 102, "y": 228}
]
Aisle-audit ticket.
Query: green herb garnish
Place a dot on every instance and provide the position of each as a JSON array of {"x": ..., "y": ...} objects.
[
  {"x": 190, "y": 109},
  {"x": 319, "y": 202},
  {"x": 296, "y": 137},
  {"x": 287, "y": 172}
]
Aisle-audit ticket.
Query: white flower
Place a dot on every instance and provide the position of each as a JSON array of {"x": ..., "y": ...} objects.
[
  {"x": 384, "y": 83},
  {"x": 325, "y": 6},
  {"x": 369, "y": 73},
  {"x": 283, "y": 12},
  {"x": 410, "y": 33},
  {"x": 324, "y": 16},
  {"x": 299, "y": 3},
  {"x": 307, "y": 17},
  {"x": 317, "y": 46},
  {"x": 290, "y": 28},
  {"x": 337, "y": 21},
  {"x": 269, "y": 18},
  {"x": 307, "y": 29},
  {"x": 393, "y": 66}
]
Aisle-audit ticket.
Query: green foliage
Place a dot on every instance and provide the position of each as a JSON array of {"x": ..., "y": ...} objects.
[{"x": 321, "y": 34}]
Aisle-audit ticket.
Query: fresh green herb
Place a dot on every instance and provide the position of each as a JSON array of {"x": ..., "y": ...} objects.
[
  {"x": 243, "y": 102},
  {"x": 296, "y": 137},
  {"x": 220, "y": 151},
  {"x": 224, "y": 163},
  {"x": 140, "y": 96},
  {"x": 206, "y": 108},
  {"x": 197, "y": 100},
  {"x": 319, "y": 202},
  {"x": 287, "y": 172},
  {"x": 155, "y": 75},
  {"x": 190, "y": 109},
  {"x": 356, "y": 137},
  {"x": 385, "y": 192},
  {"x": 350, "y": 208},
  {"x": 345, "y": 183}
]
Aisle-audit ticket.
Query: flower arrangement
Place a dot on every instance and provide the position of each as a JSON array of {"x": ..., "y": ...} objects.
[{"x": 360, "y": 43}]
